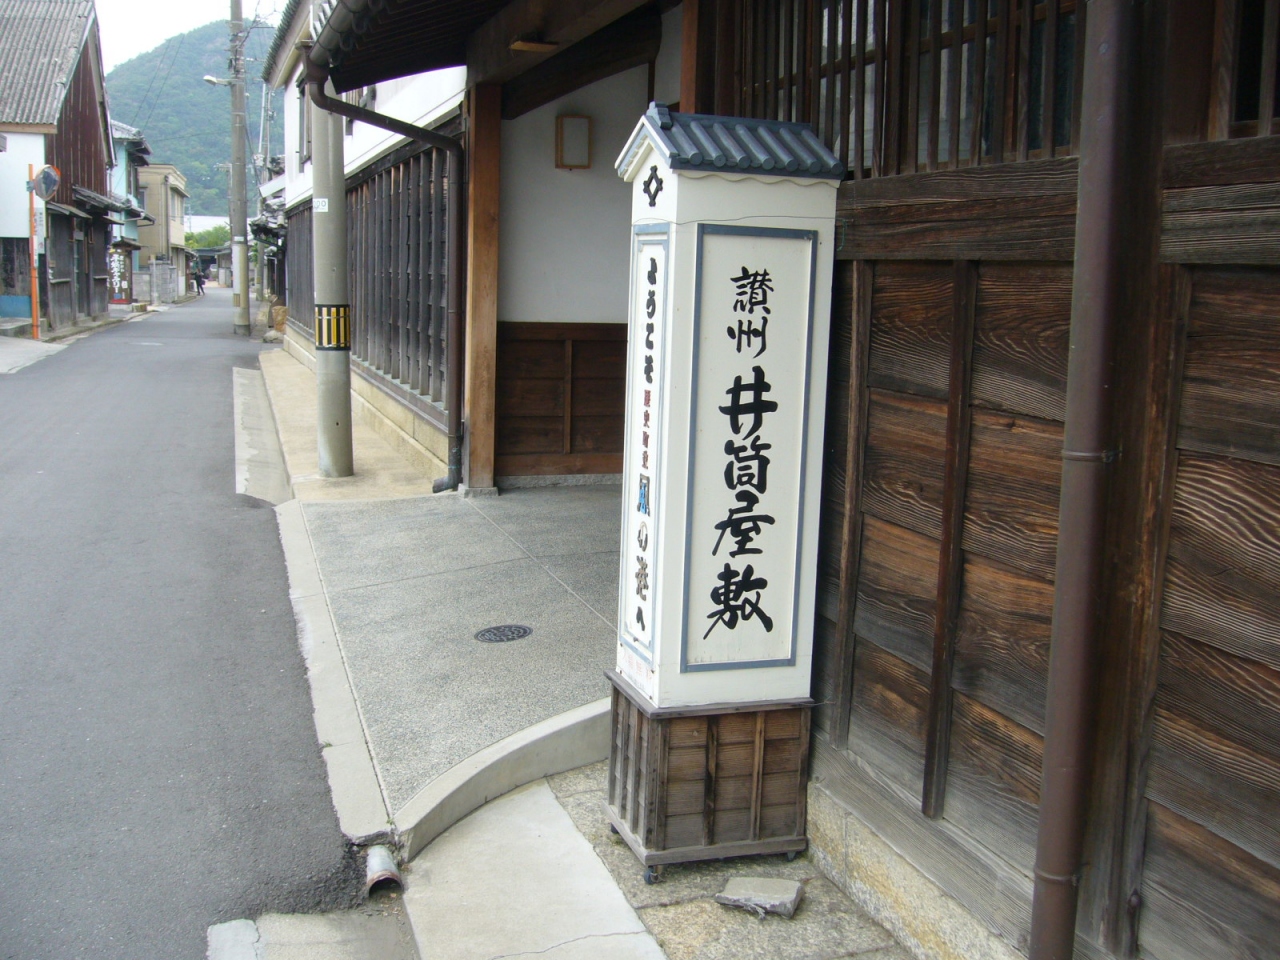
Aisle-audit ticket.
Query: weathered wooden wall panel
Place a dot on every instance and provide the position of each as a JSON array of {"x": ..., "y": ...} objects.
[
  {"x": 560, "y": 398},
  {"x": 1011, "y": 508},
  {"x": 910, "y": 338},
  {"x": 958, "y": 415},
  {"x": 902, "y": 462},
  {"x": 1202, "y": 897},
  {"x": 1212, "y": 869},
  {"x": 1232, "y": 373},
  {"x": 1020, "y": 347},
  {"x": 888, "y": 715},
  {"x": 1002, "y": 641},
  {"x": 993, "y": 786},
  {"x": 79, "y": 148},
  {"x": 1201, "y": 670},
  {"x": 897, "y": 579}
]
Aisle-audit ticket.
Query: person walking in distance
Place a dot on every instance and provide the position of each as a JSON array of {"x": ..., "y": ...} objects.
[{"x": 198, "y": 276}]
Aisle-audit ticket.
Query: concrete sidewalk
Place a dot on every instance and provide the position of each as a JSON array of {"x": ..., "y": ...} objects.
[{"x": 481, "y": 760}]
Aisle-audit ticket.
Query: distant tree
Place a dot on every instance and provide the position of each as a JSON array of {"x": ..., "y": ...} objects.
[{"x": 213, "y": 237}]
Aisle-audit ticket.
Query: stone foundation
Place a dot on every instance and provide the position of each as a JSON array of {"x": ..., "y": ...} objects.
[{"x": 920, "y": 915}]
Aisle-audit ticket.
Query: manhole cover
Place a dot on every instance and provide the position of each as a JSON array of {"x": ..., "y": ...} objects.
[{"x": 504, "y": 634}]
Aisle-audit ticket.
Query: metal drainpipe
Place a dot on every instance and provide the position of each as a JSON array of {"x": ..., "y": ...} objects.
[
  {"x": 1108, "y": 105},
  {"x": 317, "y": 74}
]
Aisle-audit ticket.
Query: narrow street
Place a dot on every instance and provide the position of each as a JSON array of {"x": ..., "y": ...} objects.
[{"x": 159, "y": 770}]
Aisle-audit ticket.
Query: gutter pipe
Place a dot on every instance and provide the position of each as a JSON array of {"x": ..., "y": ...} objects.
[
  {"x": 1109, "y": 151},
  {"x": 317, "y": 74}
]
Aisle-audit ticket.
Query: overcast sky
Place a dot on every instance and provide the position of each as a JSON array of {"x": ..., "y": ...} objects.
[{"x": 131, "y": 27}]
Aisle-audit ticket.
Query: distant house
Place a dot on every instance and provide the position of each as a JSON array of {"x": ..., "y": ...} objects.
[
  {"x": 131, "y": 152},
  {"x": 164, "y": 197},
  {"x": 53, "y": 111}
]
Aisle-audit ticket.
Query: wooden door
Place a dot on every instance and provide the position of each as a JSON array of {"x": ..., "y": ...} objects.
[{"x": 940, "y": 517}]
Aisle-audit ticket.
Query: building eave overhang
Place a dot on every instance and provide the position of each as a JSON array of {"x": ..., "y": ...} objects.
[{"x": 362, "y": 42}]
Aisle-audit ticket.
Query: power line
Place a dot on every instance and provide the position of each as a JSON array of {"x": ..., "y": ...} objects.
[
  {"x": 177, "y": 51},
  {"x": 154, "y": 72}
]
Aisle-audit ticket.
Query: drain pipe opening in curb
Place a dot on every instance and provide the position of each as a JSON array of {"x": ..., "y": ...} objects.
[{"x": 380, "y": 870}]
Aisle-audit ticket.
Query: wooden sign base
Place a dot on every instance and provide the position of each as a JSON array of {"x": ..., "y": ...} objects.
[{"x": 706, "y": 783}]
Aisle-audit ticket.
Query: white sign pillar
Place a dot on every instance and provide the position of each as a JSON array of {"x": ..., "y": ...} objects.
[{"x": 732, "y": 226}]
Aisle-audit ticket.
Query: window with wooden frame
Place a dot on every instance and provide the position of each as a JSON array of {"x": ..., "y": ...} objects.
[
  {"x": 1245, "y": 79},
  {"x": 899, "y": 86},
  {"x": 304, "y": 125},
  {"x": 365, "y": 97},
  {"x": 15, "y": 266}
]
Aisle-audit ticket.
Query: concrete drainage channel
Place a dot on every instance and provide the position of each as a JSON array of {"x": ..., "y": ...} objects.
[
  {"x": 376, "y": 930},
  {"x": 380, "y": 929}
]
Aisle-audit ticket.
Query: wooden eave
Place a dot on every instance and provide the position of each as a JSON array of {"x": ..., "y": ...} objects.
[
  {"x": 286, "y": 63},
  {"x": 410, "y": 38},
  {"x": 28, "y": 128}
]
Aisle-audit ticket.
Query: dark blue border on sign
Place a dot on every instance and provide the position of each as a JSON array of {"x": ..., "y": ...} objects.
[
  {"x": 643, "y": 234},
  {"x": 775, "y": 233}
]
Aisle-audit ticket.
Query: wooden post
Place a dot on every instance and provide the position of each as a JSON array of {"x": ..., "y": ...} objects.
[
  {"x": 33, "y": 253},
  {"x": 484, "y": 160},
  {"x": 698, "y": 56}
]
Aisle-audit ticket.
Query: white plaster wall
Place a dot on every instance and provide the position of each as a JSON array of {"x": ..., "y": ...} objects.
[
  {"x": 297, "y": 183},
  {"x": 421, "y": 100},
  {"x": 24, "y": 148},
  {"x": 565, "y": 235},
  {"x": 666, "y": 69}
]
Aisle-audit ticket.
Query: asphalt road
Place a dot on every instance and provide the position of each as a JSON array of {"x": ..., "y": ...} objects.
[{"x": 159, "y": 769}]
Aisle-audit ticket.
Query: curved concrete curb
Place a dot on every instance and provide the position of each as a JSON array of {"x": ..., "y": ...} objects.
[
  {"x": 571, "y": 739},
  {"x": 353, "y": 779}
]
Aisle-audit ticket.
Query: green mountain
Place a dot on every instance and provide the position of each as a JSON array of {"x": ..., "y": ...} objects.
[{"x": 186, "y": 121}]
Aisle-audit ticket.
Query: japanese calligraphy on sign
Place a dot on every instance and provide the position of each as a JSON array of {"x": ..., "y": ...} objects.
[
  {"x": 642, "y": 490},
  {"x": 748, "y": 446}
]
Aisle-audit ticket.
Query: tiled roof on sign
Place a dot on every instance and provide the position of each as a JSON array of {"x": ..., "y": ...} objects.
[
  {"x": 704, "y": 142},
  {"x": 40, "y": 45}
]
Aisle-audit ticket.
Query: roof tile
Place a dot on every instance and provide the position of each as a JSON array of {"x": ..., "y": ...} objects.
[
  {"x": 701, "y": 141},
  {"x": 40, "y": 44}
]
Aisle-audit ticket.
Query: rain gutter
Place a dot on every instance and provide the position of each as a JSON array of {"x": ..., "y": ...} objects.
[
  {"x": 317, "y": 67},
  {"x": 1109, "y": 146}
]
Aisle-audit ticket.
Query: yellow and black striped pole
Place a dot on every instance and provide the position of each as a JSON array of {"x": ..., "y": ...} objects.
[
  {"x": 333, "y": 327},
  {"x": 333, "y": 315}
]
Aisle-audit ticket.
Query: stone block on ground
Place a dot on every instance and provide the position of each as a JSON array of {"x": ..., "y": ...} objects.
[{"x": 763, "y": 895}]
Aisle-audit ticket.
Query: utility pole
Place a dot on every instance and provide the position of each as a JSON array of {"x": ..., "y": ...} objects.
[
  {"x": 239, "y": 216},
  {"x": 263, "y": 174},
  {"x": 333, "y": 313},
  {"x": 34, "y": 254}
]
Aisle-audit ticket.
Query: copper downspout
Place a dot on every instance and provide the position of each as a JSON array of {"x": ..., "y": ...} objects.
[
  {"x": 317, "y": 74},
  {"x": 1108, "y": 113}
]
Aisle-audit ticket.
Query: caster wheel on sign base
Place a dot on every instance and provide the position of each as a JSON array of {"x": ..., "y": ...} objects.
[
  {"x": 613, "y": 828},
  {"x": 652, "y": 875},
  {"x": 791, "y": 855}
]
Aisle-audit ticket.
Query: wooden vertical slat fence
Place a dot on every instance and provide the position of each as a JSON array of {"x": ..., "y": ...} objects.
[
  {"x": 1023, "y": 108},
  {"x": 299, "y": 272},
  {"x": 1267, "y": 85},
  {"x": 977, "y": 95},
  {"x": 955, "y": 61},
  {"x": 1000, "y": 73},
  {"x": 896, "y": 87},
  {"x": 1048, "y": 82},
  {"x": 398, "y": 268},
  {"x": 850, "y": 131},
  {"x": 396, "y": 231},
  {"x": 935, "y": 83}
]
